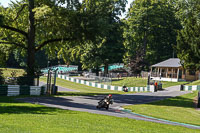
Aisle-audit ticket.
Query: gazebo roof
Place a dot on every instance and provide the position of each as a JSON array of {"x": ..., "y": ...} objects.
[{"x": 172, "y": 62}]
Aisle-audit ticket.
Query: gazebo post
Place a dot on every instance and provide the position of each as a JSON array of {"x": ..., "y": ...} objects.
[
  {"x": 160, "y": 72},
  {"x": 178, "y": 74},
  {"x": 167, "y": 72}
]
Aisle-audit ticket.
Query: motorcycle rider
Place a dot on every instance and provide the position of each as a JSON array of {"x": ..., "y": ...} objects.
[
  {"x": 109, "y": 98},
  {"x": 103, "y": 104}
]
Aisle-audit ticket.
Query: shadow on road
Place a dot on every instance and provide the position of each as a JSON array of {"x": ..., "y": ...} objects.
[
  {"x": 86, "y": 103},
  {"x": 66, "y": 103}
]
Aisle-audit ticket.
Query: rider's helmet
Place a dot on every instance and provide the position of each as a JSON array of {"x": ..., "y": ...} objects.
[{"x": 110, "y": 95}]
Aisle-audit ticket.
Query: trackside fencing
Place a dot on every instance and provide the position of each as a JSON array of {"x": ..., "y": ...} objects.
[
  {"x": 191, "y": 88},
  {"x": 149, "y": 88},
  {"x": 15, "y": 90}
]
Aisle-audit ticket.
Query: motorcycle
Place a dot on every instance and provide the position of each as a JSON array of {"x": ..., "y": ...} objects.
[
  {"x": 104, "y": 103},
  {"x": 125, "y": 89}
]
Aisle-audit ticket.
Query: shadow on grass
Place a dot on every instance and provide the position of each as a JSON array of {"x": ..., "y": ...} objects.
[
  {"x": 26, "y": 110},
  {"x": 84, "y": 103},
  {"x": 8, "y": 105}
]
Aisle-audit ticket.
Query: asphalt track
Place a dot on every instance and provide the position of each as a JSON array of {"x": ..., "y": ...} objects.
[{"x": 88, "y": 104}]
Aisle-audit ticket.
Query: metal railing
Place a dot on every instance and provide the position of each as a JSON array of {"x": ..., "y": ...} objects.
[
  {"x": 164, "y": 75},
  {"x": 98, "y": 79}
]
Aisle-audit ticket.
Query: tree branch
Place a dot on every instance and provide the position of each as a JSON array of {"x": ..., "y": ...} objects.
[
  {"x": 18, "y": 13},
  {"x": 14, "y": 29},
  {"x": 51, "y": 41},
  {"x": 16, "y": 44}
]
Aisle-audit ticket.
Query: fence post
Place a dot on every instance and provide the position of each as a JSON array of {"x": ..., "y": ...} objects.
[
  {"x": 181, "y": 87},
  {"x": 198, "y": 100},
  {"x": 54, "y": 84}
]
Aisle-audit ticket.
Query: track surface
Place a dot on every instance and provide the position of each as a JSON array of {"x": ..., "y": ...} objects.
[{"x": 88, "y": 104}]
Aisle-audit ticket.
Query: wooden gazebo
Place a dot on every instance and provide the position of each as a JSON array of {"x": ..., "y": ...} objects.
[{"x": 172, "y": 70}]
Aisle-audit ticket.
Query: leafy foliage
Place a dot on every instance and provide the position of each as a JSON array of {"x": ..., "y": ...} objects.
[
  {"x": 150, "y": 33},
  {"x": 1, "y": 77},
  {"x": 189, "y": 36},
  {"x": 106, "y": 46},
  {"x": 35, "y": 25}
]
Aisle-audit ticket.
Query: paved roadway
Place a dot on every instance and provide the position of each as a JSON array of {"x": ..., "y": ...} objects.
[
  {"x": 60, "y": 89},
  {"x": 88, "y": 104}
]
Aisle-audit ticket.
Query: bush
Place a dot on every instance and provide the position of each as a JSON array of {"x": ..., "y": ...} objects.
[
  {"x": 2, "y": 80},
  {"x": 26, "y": 80}
]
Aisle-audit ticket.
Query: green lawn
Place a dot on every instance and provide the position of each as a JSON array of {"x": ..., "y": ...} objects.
[
  {"x": 18, "y": 117},
  {"x": 166, "y": 84},
  {"x": 140, "y": 82},
  {"x": 131, "y": 82},
  {"x": 180, "y": 109},
  {"x": 7, "y": 72},
  {"x": 197, "y": 82},
  {"x": 84, "y": 89}
]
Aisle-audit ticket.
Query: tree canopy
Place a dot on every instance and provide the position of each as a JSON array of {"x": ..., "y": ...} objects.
[
  {"x": 188, "y": 48},
  {"x": 150, "y": 33},
  {"x": 33, "y": 25},
  {"x": 105, "y": 48}
]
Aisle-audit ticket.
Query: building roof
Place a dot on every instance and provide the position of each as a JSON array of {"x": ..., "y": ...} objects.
[{"x": 172, "y": 62}]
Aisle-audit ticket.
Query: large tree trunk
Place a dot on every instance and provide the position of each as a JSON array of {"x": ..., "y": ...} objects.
[
  {"x": 97, "y": 70},
  {"x": 31, "y": 41},
  {"x": 106, "y": 69}
]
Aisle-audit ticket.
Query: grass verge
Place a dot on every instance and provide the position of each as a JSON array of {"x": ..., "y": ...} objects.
[
  {"x": 197, "y": 82},
  {"x": 7, "y": 72},
  {"x": 180, "y": 109},
  {"x": 140, "y": 82},
  {"x": 84, "y": 89},
  {"x": 32, "y": 118}
]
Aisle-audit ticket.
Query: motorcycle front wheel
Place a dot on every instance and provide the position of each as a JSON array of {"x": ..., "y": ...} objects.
[{"x": 107, "y": 107}]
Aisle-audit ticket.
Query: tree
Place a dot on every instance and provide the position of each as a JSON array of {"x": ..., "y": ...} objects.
[
  {"x": 104, "y": 49},
  {"x": 150, "y": 33},
  {"x": 29, "y": 28},
  {"x": 34, "y": 25},
  {"x": 188, "y": 39}
]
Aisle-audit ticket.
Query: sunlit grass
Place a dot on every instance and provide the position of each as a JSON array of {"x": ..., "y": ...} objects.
[
  {"x": 197, "y": 82},
  {"x": 19, "y": 117},
  {"x": 7, "y": 72},
  {"x": 180, "y": 109},
  {"x": 84, "y": 89},
  {"x": 141, "y": 82}
]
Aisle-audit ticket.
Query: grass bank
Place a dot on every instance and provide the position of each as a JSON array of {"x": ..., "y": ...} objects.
[
  {"x": 18, "y": 117},
  {"x": 140, "y": 82},
  {"x": 7, "y": 72},
  {"x": 84, "y": 89},
  {"x": 197, "y": 82},
  {"x": 180, "y": 109}
]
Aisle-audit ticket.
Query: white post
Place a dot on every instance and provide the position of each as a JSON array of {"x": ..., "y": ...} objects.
[{"x": 178, "y": 74}]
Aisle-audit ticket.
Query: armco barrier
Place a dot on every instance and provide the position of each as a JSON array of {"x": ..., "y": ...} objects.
[
  {"x": 149, "y": 88},
  {"x": 191, "y": 88},
  {"x": 15, "y": 90}
]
